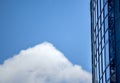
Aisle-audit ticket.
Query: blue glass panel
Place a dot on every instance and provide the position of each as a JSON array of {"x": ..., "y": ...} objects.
[
  {"x": 106, "y": 23},
  {"x": 100, "y": 62},
  {"x": 103, "y": 59},
  {"x": 105, "y": 1},
  {"x": 98, "y": 1},
  {"x": 108, "y": 73},
  {"x": 103, "y": 43},
  {"x": 97, "y": 42},
  {"x": 99, "y": 23},
  {"x": 106, "y": 37},
  {"x": 94, "y": 20},
  {"x": 96, "y": 30},
  {"x": 99, "y": 36},
  {"x": 106, "y": 9},
  {"x": 101, "y": 4},
  {"x": 104, "y": 81},
  {"x": 102, "y": 17},
  {"x": 101, "y": 81},
  {"x": 119, "y": 5},
  {"x": 107, "y": 54},
  {"x": 94, "y": 37},
  {"x": 102, "y": 28},
  {"x": 97, "y": 72},
  {"x": 96, "y": 14}
]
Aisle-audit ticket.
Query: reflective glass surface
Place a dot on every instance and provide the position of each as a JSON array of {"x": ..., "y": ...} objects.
[{"x": 102, "y": 34}]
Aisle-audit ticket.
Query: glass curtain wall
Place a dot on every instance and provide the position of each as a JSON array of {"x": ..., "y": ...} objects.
[{"x": 102, "y": 35}]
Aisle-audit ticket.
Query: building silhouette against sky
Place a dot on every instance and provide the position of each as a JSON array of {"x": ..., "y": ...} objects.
[{"x": 105, "y": 40}]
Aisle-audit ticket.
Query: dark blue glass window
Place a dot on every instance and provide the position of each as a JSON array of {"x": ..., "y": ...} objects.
[{"x": 119, "y": 5}]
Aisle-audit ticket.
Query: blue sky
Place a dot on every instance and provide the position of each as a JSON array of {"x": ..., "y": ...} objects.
[{"x": 64, "y": 23}]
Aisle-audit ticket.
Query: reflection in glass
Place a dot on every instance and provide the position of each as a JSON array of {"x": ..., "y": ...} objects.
[
  {"x": 107, "y": 54},
  {"x": 102, "y": 30},
  {"x": 101, "y": 4},
  {"x": 108, "y": 73},
  {"x": 99, "y": 37},
  {"x": 104, "y": 79},
  {"x": 106, "y": 37},
  {"x": 106, "y": 23},
  {"x": 103, "y": 43},
  {"x": 98, "y": 7},
  {"x": 102, "y": 17},
  {"x": 103, "y": 59},
  {"x": 106, "y": 9},
  {"x": 100, "y": 63}
]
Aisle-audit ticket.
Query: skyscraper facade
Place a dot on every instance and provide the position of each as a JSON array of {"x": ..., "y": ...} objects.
[{"x": 105, "y": 40}]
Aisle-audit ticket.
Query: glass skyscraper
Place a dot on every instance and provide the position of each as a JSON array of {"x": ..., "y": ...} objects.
[{"x": 105, "y": 40}]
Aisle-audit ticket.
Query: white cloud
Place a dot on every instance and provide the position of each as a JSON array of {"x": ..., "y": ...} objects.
[{"x": 42, "y": 64}]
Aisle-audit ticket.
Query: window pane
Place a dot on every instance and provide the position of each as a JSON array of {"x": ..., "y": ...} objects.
[
  {"x": 97, "y": 42},
  {"x": 107, "y": 54},
  {"x": 106, "y": 9},
  {"x": 104, "y": 79},
  {"x": 106, "y": 23},
  {"x": 101, "y": 4},
  {"x": 97, "y": 55},
  {"x": 102, "y": 43},
  {"x": 108, "y": 81},
  {"x": 105, "y": 1},
  {"x": 108, "y": 73},
  {"x": 102, "y": 17},
  {"x": 99, "y": 24},
  {"x": 96, "y": 30},
  {"x": 97, "y": 72},
  {"x": 100, "y": 49},
  {"x": 106, "y": 37},
  {"x": 95, "y": 60},
  {"x": 103, "y": 59},
  {"x": 102, "y": 30},
  {"x": 98, "y": 7},
  {"x": 94, "y": 20},
  {"x": 100, "y": 66},
  {"x": 96, "y": 15},
  {"x": 99, "y": 36},
  {"x": 119, "y": 5},
  {"x": 94, "y": 37},
  {"x": 101, "y": 81}
]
